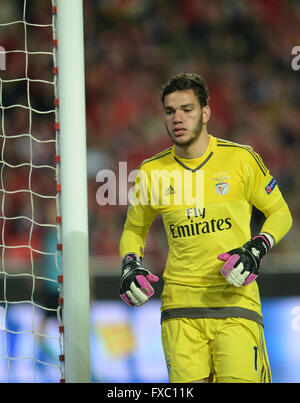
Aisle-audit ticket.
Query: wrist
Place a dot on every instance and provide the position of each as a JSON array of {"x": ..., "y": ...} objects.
[
  {"x": 258, "y": 246},
  {"x": 269, "y": 238},
  {"x": 262, "y": 243},
  {"x": 129, "y": 259}
]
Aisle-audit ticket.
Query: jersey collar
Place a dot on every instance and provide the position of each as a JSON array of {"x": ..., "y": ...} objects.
[{"x": 195, "y": 163}]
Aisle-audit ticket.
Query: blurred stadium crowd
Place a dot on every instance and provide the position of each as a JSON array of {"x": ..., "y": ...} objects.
[{"x": 242, "y": 48}]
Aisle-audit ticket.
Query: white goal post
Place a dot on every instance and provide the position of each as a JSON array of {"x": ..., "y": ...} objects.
[
  {"x": 75, "y": 255},
  {"x": 51, "y": 196}
]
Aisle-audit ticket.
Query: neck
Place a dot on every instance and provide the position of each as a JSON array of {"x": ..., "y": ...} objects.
[{"x": 194, "y": 150}]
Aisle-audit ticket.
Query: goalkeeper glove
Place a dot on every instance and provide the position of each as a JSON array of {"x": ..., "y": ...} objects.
[
  {"x": 242, "y": 264},
  {"x": 135, "y": 287}
]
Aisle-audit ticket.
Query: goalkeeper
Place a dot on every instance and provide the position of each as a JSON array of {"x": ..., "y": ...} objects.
[{"x": 211, "y": 320}]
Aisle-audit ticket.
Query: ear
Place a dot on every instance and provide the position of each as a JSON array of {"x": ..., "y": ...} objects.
[{"x": 206, "y": 112}]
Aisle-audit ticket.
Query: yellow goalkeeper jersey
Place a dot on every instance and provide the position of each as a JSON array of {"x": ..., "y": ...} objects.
[{"x": 206, "y": 206}]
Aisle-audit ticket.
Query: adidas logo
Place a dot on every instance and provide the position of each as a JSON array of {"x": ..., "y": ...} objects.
[{"x": 170, "y": 190}]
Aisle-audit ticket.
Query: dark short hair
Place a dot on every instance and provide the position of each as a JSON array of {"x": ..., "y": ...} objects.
[{"x": 187, "y": 81}]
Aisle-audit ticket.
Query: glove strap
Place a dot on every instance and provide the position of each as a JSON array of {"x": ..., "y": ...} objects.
[
  {"x": 259, "y": 242},
  {"x": 264, "y": 243},
  {"x": 269, "y": 238},
  {"x": 130, "y": 258}
]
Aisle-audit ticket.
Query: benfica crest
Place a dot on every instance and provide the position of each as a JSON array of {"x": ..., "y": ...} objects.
[{"x": 222, "y": 185}]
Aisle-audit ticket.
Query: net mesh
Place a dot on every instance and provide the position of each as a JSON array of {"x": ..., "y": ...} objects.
[{"x": 31, "y": 340}]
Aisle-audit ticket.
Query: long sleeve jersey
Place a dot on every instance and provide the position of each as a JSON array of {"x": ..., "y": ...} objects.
[{"x": 206, "y": 206}]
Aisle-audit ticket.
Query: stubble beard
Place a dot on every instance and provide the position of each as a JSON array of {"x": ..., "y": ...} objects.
[{"x": 196, "y": 133}]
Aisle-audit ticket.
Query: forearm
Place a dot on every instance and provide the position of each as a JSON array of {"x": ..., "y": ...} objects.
[
  {"x": 133, "y": 239},
  {"x": 278, "y": 223}
]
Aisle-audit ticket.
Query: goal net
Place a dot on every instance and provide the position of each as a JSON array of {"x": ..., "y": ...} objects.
[{"x": 31, "y": 327}]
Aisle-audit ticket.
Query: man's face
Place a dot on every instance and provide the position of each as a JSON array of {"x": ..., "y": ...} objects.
[{"x": 183, "y": 117}]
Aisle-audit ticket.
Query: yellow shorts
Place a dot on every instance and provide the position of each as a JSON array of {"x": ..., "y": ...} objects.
[{"x": 231, "y": 349}]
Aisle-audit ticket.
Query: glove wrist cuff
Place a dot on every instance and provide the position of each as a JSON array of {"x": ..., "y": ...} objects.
[
  {"x": 260, "y": 243},
  {"x": 264, "y": 242},
  {"x": 130, "y": 258},
  {"x": 268, "y": 238}
]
